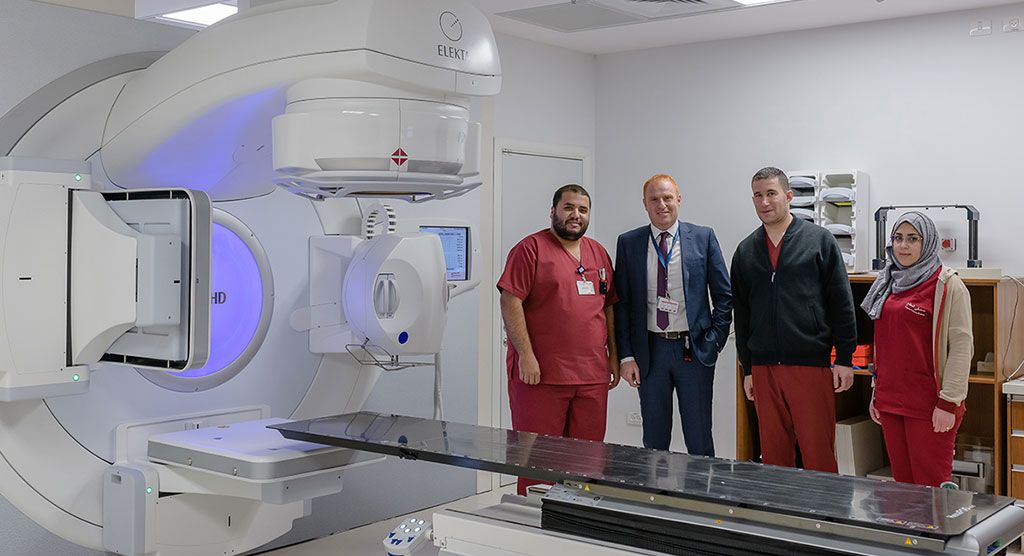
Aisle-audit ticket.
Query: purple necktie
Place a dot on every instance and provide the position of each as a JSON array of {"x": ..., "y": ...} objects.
[{"x": 663, "y": 278}]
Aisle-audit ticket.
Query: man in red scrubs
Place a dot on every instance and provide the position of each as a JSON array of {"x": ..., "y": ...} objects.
[{"x": 556, "y": 301}]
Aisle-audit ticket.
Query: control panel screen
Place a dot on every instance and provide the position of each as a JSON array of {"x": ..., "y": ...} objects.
[{"x": 455, "y": 242}]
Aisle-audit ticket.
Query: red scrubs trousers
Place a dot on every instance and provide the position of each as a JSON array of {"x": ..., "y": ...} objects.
[
  {"x": 575, "y": 411},
  {"x": 796, "y": 405}
]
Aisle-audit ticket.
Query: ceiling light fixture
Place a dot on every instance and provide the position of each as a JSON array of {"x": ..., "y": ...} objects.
[{"x": 203, "y": 16}]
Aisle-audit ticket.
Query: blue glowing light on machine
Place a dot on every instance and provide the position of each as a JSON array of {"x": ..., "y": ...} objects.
[{"x": 236, "y": 300}]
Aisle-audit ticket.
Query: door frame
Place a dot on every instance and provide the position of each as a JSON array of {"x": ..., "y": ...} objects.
[{"x": 503, "y": 146}]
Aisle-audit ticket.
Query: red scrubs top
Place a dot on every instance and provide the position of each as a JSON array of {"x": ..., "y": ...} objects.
[
  {"x": 904, "y": 362},
  {"x": 568, "y": 330},
  {"x": 773, "y": 250}
]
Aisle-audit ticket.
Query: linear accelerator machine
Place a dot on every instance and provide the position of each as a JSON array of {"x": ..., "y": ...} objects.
[{"x": 142, "y": 201}]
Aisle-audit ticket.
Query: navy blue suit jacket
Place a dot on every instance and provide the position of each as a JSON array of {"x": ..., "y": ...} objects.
[{"x": 704, "y": 273}]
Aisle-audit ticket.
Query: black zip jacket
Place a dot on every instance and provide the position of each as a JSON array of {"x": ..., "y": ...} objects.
[{"x": 794, "y": 315}]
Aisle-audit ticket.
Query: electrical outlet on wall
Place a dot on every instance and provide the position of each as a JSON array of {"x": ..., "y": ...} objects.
[
  {"x": 981, "y": 27},
  {"x": 633, "y": 418}
]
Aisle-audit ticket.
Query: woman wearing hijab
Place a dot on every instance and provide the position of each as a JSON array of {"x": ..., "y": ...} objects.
[{"x": 923, "y": 349}]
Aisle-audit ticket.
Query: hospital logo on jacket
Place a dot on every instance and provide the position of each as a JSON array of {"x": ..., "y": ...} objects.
[{"x": 919, "y": 311}]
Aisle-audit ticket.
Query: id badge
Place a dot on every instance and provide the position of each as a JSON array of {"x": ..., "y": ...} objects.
[
  {"x": 585, "y": 287},
  {"x": 668, "y": 305}
]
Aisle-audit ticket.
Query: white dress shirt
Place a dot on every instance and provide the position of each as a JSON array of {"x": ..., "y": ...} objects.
[
  {"x": 674, "y": 279},
  {"x": 676, "y": 322}
]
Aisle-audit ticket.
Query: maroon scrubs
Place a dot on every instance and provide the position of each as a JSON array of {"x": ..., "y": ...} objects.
[
  {"x": 907, "y": 388},
  {"x": 569, "y": 334}
]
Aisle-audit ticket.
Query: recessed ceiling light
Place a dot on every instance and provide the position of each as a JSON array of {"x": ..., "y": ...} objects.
[{"x": 203, "y": 15}]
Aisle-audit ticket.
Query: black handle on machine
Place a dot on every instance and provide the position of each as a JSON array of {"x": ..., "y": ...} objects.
[{"x": 878, "y": 263}]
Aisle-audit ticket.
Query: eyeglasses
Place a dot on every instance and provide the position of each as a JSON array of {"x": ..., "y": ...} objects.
[{"x": 910, "y": 239}]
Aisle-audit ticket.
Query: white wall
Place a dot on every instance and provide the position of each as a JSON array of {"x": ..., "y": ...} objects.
[
  {"x": 41, "y": 42},
  {"x": 547, "y": 94},
  {"x": 931, "y": 114},
  {"x": 118, "y": 7}
]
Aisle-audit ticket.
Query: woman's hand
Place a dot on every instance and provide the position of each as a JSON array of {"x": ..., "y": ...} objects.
[
  {"x": 942, "y": 420},
  {"x": 875, "y": 416}
]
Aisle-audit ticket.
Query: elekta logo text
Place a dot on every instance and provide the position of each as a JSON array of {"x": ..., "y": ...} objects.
[{"x": 452, "y": 52}]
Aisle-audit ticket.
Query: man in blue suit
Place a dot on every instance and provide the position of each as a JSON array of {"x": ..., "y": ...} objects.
[{"x": 668, "y": 332}]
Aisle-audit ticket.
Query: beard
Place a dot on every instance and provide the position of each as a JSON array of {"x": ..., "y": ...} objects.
[{"x": 561, "y": 231}]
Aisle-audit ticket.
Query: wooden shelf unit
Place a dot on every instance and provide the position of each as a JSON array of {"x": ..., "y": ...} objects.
[{"x": 994, "y": 303}]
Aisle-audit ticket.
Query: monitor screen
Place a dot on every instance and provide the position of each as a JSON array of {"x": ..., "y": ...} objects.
[{"x": 455, "y": 242}]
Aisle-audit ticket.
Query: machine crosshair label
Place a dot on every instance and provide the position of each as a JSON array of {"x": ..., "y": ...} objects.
[
  {"x": 451, "y": 26},
  {"x": 399, "y": 157}
]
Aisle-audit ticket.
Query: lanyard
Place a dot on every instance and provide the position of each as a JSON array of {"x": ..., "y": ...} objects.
[{"x": 663, "y": 258}]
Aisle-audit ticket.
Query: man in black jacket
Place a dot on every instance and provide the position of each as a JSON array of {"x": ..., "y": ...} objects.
[{"x": 792, "y": 303}]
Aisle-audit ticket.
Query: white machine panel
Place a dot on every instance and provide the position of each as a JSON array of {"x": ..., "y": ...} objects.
[
  {"x": 129, "y": 501},
  {"x": 345, "y": 138},
  {"x": 434, "y": 137},
  {"x": 329, "y": 258},
  {"x": 364, "y": 135},
  {"x": 103, "y": 288},
  {"x": 164, "y": 265},
  {"x": 395, "y": 293},
  {"x": 447, "y": 34},
  {"x": 86, "y": 273},
  {"x": 34, "y": 271},
  {"x": 168, "y": 267},
  {"x": 249, "y": 451},
  {"x": 349, "y": 134},
  {"x": 34, "y": 197}
]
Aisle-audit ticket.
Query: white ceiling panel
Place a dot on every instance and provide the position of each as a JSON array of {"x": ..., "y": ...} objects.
[
  {"x": 674, "y": 21},
  {"x": 716, "y": 25}
]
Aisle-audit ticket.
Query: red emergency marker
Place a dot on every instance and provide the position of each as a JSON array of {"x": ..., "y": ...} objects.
[{"x": 399, "y": 157}]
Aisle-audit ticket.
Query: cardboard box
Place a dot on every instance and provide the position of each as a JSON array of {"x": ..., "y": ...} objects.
[
  {"x": 883, "y": 474},
  {"x": 862, "y": 357},
  {"x": 859, "y": 446},
  {"x": 980, "y": 456}
]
